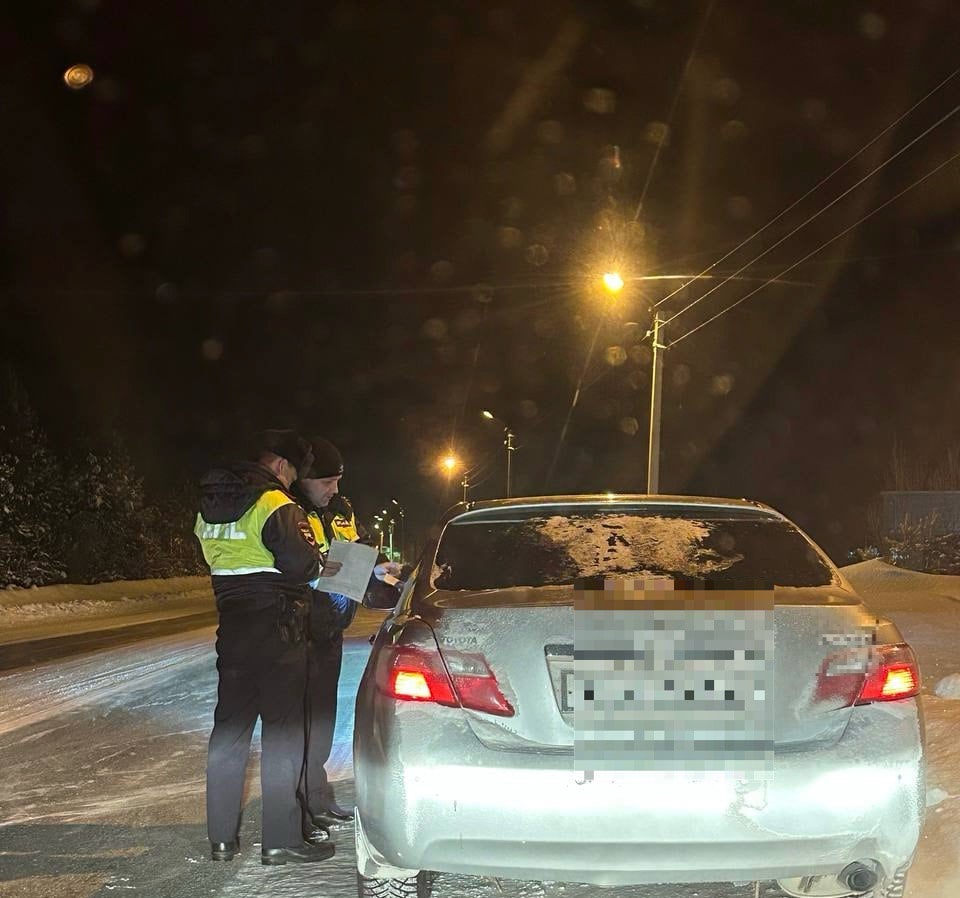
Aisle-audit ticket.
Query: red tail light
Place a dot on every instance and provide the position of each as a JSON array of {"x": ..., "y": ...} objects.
[
  {"x": 893, "y": 674},
  {"x": 881, "y": 673},
  {"x": 412, "y": 673},
  {"x": 417, "y": 673}
]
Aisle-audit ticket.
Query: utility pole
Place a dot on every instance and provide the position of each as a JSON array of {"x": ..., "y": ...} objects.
[
  {"x": 465, "y": 484},
  {"x": 391, "y": 538},
  {"x": 403, "y": 532},
  {"x": 508, "y": 442},
  {"x": 656, "y": 391}
]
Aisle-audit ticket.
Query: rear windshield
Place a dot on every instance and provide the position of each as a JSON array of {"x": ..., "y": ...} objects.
[{"x": 565, "y": 545}]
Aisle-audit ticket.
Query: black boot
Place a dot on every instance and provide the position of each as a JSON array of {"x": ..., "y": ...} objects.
[
  {"x": 302, "y": 854},
  {"x": 224, "y": 851},
  {"x": 314, "y": 834},
  {"x": 329, "y": 813}
]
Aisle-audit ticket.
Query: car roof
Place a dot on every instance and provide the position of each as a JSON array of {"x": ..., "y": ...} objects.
[{"x": 610, "y": 499}]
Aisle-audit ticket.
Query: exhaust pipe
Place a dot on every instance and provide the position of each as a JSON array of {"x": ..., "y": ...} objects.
[{"x": 858, "y": 877}]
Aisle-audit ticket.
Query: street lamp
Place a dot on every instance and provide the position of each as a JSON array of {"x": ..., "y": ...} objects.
[
  {"x": 508, "y": 436},
  {"x": 403, "y": 542},
  {"x": 613, "y": 282},
  {"x": 449, "y": 463}
]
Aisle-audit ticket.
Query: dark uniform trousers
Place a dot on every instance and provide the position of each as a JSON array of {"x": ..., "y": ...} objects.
[
  {"x": 325, "y": 660},
  {"x": 260, "y": 676}
]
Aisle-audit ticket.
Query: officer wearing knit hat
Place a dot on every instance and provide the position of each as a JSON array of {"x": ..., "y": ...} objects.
[{"x": 332, "y": 518}]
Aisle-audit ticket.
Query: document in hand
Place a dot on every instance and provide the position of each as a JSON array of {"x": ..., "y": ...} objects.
[{"x": 356, "y": 566}]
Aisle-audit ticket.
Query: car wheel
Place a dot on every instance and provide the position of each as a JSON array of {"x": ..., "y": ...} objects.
[{"x": 419, "y": 886}]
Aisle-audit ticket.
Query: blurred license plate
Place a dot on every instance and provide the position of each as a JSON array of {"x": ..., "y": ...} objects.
[{"x": 671, "y": 688}]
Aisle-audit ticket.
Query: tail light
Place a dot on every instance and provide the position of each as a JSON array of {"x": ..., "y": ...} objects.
[
  {"x": 419, "y": 673},
  {"x": 880, "y": 673},
  {"x": 892, "y": 674}
]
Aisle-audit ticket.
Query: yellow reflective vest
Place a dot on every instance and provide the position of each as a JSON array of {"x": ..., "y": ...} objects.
[
  {"x": 237, "y": 547},
  {"x": 340, "y": 528}
]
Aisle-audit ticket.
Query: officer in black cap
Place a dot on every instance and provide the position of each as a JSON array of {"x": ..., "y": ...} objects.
[
  {"x": 262, "y": 555},
  {"x": 331, "y": 517}
]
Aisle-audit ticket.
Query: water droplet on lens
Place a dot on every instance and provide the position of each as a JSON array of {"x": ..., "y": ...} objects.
[{"x": 211, "y": 349}]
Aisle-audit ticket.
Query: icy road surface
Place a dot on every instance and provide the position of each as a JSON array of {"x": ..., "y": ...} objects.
[{"x": 102, "y": 773}]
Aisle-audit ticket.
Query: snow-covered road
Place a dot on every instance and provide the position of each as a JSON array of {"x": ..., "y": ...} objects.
[{"x": 102, "y": 771}]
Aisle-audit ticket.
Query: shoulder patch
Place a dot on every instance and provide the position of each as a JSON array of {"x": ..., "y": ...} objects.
[{"x": 306, "y": 531}]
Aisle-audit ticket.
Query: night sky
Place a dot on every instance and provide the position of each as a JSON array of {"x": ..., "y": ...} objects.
[{"x": 373, "y": 220}]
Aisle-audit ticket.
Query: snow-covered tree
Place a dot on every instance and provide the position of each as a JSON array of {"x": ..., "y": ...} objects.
[
  {"x": 30, "y": 482},
  {"x": 105, "y": 526}
]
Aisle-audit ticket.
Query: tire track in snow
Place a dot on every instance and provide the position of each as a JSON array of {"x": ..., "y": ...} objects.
[{"x": 30, "y": 696}]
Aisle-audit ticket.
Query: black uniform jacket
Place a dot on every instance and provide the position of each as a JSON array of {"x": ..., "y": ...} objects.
[{"x": 226, "y": 494}]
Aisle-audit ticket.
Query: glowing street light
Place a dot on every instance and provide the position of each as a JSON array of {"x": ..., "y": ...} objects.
[
  {"x": 78, "y": 77},
  {"x": 449, "y": 462},
  {"x": 613, "y": 282}
]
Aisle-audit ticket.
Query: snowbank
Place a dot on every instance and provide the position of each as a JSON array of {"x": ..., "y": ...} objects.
[
  {"x": 949, "y": 687},
  {"x": 65, "y": 609},
  {"x": 873, "y": 577},
  {"x": 46, "y": 611},
  {"x": 67, "y": 593}
]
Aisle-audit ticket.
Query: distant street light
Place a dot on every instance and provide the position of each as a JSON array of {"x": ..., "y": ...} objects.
[
  {"x": 403, "y": 544},
  {"x": 449, "y": 462},
  {"x": 508, "y": 436}
]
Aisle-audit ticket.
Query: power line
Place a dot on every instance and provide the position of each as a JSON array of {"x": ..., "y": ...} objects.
[
  {"x": 816, "y": 215},
  {"x": 822, "y": 246},
  {"x": 818, "y": 185},
  {"x": 883, "y": 257}
]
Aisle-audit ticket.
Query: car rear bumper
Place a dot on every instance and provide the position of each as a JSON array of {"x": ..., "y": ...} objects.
[{"x": 531, "y": 816}]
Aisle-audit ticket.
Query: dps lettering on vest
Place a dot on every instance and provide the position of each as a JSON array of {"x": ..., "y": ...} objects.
[{"x": 237, "y": 548}]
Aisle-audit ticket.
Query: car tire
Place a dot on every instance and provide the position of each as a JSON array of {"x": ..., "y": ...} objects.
[{"x": 419, "y": 886}]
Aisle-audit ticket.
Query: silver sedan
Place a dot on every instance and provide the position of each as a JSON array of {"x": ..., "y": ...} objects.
[{"x": 629, "y": 689}]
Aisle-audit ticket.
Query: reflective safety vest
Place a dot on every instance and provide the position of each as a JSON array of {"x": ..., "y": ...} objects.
[
  {"x": 316, "y": 525},
  {"x": 237, "y": 547},
  {"x": 341, "y": 529},
  {"x": 345, "y": 528}
]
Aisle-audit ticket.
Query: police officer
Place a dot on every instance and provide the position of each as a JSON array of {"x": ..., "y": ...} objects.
[
  {"x": 262, "y": 555},
  {"x": 331, "y": 518}
]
